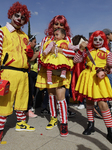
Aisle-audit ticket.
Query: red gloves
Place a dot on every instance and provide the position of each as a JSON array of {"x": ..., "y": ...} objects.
[{"x": 29, "y": 51}]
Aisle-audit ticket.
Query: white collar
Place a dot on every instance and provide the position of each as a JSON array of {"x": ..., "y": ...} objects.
[
  {"x": 10, "y": 27},
  {"x": 102, "y": 49}
]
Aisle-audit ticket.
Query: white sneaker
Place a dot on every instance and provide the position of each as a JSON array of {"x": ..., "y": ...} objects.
[
  {"x": 77, "y": 105},
  {"x": 81, "y": 106}
]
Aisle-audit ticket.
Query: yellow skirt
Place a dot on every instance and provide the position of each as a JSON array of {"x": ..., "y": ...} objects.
[
  {"x": 93, "y": 88},
  {"x": 56, "y": 80},
  {"x": 52, "y": 62}
]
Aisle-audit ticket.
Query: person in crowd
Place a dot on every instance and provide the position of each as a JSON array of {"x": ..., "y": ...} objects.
[
  {"x": 45, "y": 110},
  {"x": 78, "y": 67},
  {"x": 93, "y": 83},
  {"x": 57, "y": 61},
  {"x": 32, "y": 74},
  {"x": 108, "y": 34},
  {"x": 14, "y": 42},
  {"x": 57, "y": 90}
]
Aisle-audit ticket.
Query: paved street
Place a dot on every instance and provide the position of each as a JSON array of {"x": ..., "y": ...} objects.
[{"x": 42, "y": 139}]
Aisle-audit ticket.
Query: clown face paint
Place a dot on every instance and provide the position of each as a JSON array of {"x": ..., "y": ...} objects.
[
  {"x": 17, "y": 20},
  {"x": 58, "y": 25},
  {"x": 98, "y": 42}
]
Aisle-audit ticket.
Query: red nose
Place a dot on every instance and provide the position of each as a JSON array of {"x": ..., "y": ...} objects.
[{"x": 19, "y": 20}]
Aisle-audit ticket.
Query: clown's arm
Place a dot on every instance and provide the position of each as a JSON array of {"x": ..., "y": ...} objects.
[
  {"x": 48, "y": 49},
  {"x": 108, "y": 68},
  {"x": 1, "y": 43}
]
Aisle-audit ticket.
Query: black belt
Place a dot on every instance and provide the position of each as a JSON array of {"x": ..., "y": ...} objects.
[{"x": 13, "y": 68}]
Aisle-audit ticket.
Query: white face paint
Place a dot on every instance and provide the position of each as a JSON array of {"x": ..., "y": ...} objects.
[
  {"x": 98, "y": 42},
  {"x": 17, "y": 20}
]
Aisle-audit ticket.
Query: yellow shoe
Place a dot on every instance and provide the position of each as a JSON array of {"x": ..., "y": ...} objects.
[
  {"x": 52, "y": 123},
  {"x": 23, "y": 126}
]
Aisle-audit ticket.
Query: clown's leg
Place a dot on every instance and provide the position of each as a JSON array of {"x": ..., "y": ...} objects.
[
  {"x": 49, "y": 76},
  {"x": 106, "y": 114},
  {"x": 21, "y": 124},
  {"x": 53, "y": 111},
  {"x": 63, "y": 74},
  {"x": 90, "y": 116},
  {"x": 63, "y": 117},
  {"x": 2, "y": 124}
]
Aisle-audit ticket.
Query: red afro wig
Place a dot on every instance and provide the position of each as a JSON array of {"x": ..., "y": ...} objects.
[
  {"x": 17, "y": 7},
  {"x": 95, "y": 34},
  {"x": 61, "y": 19}
]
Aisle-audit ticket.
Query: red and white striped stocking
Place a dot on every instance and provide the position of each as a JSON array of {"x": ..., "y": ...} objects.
[
  {"x": 62, "y": 106},
  {"x": 53, "y": 105},
  {"x": 2, "y": 122},
  {"x": 90, "y": 112},
  {"x": 63, "y": 74},
  {"x": 107, "y": 118},
  {"x": 20, "y": 115},
  {"x": 49, "y": 76}
]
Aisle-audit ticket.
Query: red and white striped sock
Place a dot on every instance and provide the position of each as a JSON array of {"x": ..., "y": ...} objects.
[
  {"x": 107, "y": 118},
  {"x": 90, "y": 112},
  {"x": 53, "y": 105},
  {"x": 49, "y": 76},
  {"x": 63, "y": 74},
  {"x": 20, "y": 115},
  {"x": 62, "y": 106},
  {"x": 2, "y": 122}
]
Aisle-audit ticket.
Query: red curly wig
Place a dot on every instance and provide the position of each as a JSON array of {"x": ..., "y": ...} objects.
[
  {"x": 95, "y": 34},
  {"x": 61, "y": 19},
  {"x": 17, "y": 7}
]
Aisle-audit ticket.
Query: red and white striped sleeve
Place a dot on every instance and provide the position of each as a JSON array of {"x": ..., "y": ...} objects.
[
  {"x": 68, "y": 53},
  {"x": 42, "y": 43},
  {"x": 1, "y": 42},
  {"x": 78, "y": 57},
  {"x": 109, "y": 59},
  {"x": 49, "y": 47}
]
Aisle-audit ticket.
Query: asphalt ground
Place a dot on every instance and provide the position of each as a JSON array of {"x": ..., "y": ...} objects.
[{"x": 42, "y": 139}]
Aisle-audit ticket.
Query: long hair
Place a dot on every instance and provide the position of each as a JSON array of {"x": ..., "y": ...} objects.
[
  {"x": 16, "y": 8},
  {"x": 95, "y": 34},
  {"x": 61, "y": 19}
]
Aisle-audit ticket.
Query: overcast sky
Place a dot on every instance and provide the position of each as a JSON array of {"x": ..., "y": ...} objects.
[{"x": 83, "y": 16}]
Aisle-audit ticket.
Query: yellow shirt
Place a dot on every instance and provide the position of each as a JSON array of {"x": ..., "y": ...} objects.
[
  {"x": 100, "y": 58},
  {"x": 14, "y": 43}
]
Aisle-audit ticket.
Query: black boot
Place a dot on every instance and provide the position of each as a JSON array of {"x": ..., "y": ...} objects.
[
  {"x": 90, "y": 128},
  {"x": 109, "y": 135}
]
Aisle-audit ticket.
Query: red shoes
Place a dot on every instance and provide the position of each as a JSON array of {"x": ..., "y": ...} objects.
[{"x": 63, "y": 129}]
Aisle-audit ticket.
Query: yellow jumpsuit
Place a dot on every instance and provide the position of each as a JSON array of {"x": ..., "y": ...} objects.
[{"x": 14, "y": 43}]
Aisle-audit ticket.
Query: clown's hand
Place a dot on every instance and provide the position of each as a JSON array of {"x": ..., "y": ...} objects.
[
  {"x": 100, "y": 73},
  {"x": 29, "y": 52},
  {"x": 43, "y": 53},
  {"x": 82, "y": 46}
]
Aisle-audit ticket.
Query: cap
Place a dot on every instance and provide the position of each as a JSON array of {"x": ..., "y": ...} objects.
[{"x": 107, "y": 31}]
